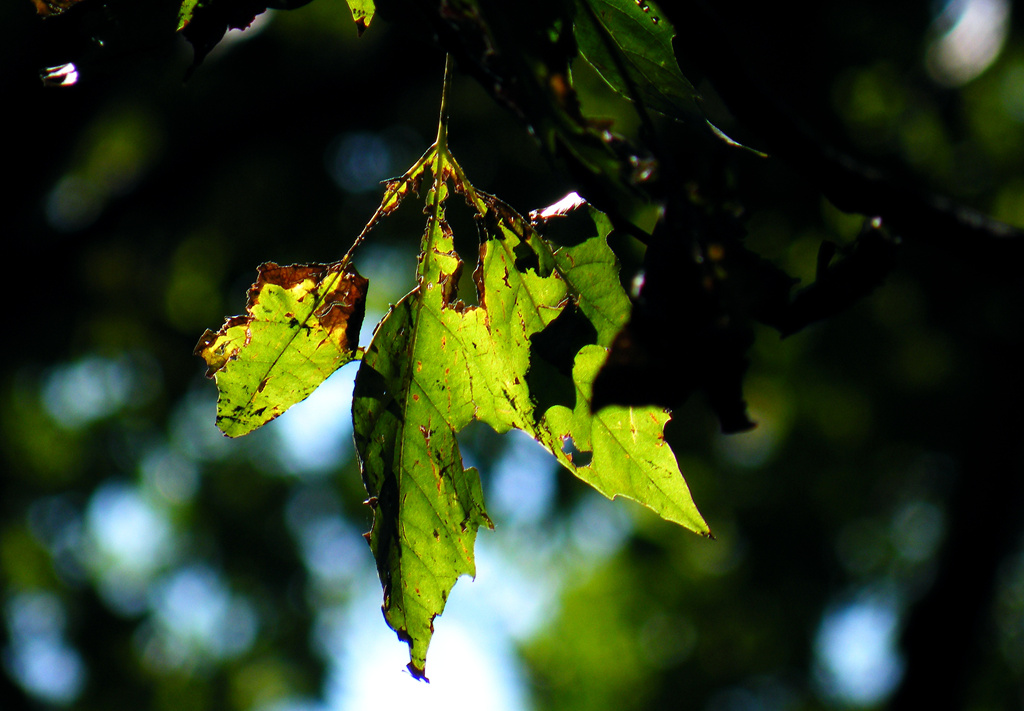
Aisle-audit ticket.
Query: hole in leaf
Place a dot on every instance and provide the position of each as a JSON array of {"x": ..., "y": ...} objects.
[
  {"x": 552, "y": 353},
  {"x": 579, "y": 458},
  {"x": 562, "y": 339}
]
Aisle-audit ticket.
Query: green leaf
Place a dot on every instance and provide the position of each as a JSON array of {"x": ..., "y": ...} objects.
[
  {"x": 426, "y": 507},
  {"x": 188, "y": 9},
  {"x": 435, "y": 364},
  {"x": 362, "y": 13},
  {"x": 592, "y": 271},
  {"x": 629, "y": 43},
  {"x": 520, "y": 295},
  {"x": 412, "y": 394},
  {"x": 295, "y": 333},
  {"x": 630, "y": 457}
]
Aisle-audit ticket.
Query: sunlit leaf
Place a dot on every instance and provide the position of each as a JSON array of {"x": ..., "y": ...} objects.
[
  {"x": 61, "y": 75},
  {"x": 188, "y": 9},
  {"x": 435, "y": 364},
  {"x": 520, "y": 294},
  {"x": 412, "y": 394},
  {"x": 362, "y": 13},
  {"x": 630, "y": 457},
  {"x": 593, "y": 272},
  {"x": 301, "y": 324},
  {"x": 628, "y": 454},
  {"x": 427, "y": 507}
]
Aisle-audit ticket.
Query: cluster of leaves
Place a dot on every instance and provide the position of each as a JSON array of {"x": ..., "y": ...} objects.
[{"x": 435, "y": 364}]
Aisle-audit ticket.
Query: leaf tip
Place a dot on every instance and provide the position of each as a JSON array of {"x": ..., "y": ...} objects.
[
  {"x": 419, "y": 673},
  {"x": 561, "y": 208}
]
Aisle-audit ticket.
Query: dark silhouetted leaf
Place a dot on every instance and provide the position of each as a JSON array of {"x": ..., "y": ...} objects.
[
  {"x": 48, "y": 8},
  {"x": 630, "y": 45},
  {"x": 204, "y": 22}
]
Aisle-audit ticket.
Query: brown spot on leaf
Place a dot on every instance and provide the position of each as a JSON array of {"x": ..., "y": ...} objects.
[{"x": 339, "y": 292}]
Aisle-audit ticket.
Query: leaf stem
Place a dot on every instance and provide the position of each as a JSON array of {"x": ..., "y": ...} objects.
[
  {"x": 394, "y": 193},
  {"x": 398, "y": 188},
  {"x": 442, "y": 121}
]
